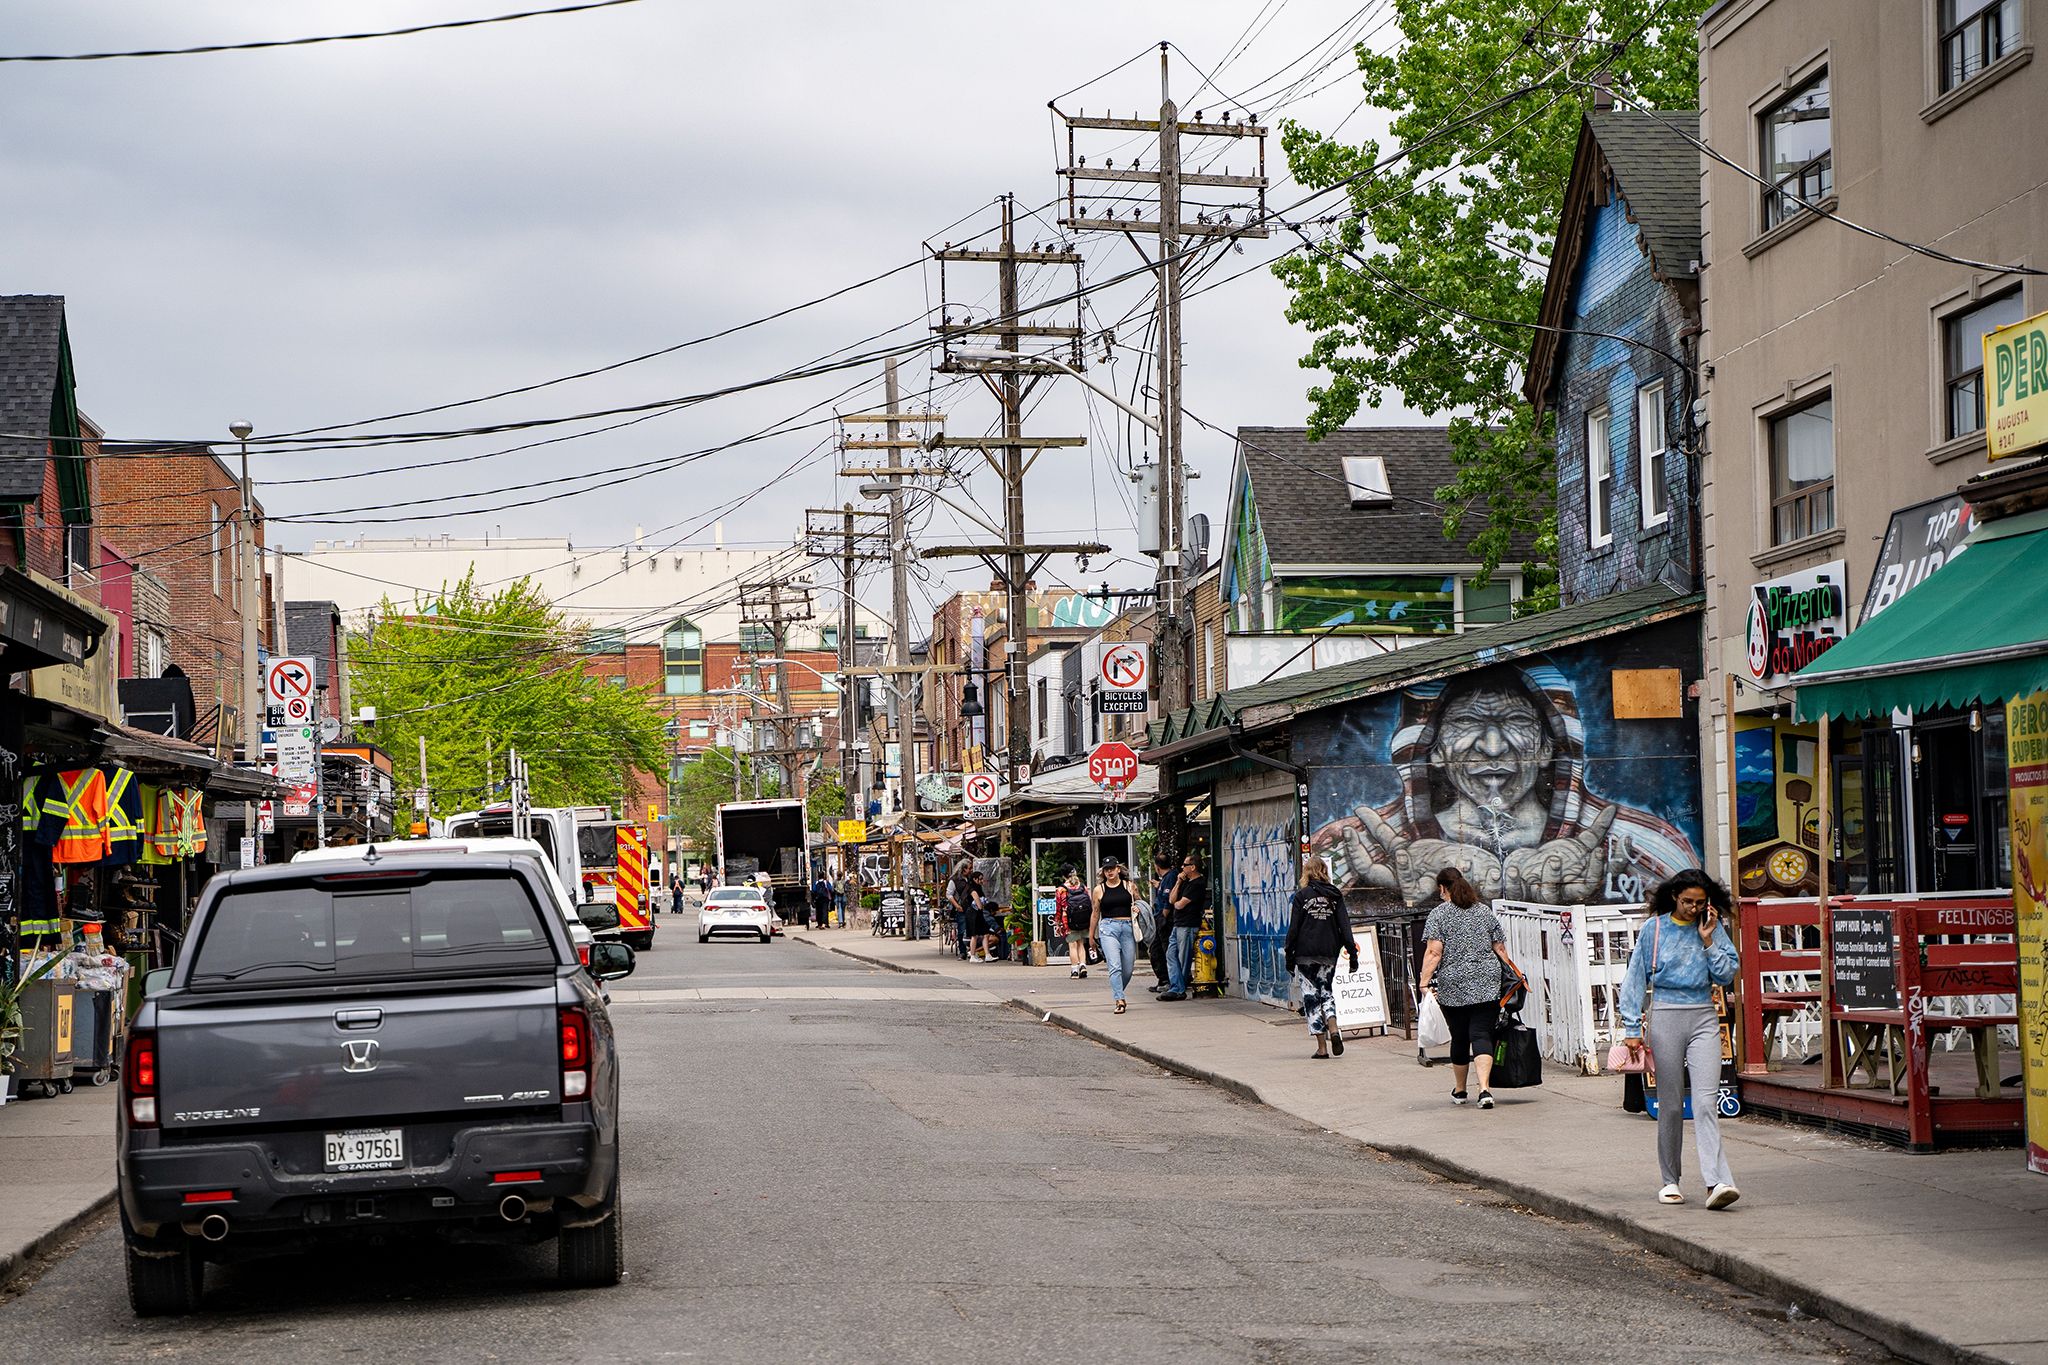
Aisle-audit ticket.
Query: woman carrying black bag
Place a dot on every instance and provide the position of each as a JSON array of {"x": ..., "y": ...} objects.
[{"x": 1462, "y": 964}]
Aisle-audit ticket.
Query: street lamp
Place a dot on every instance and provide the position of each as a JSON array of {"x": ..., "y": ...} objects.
[{"x": 978, "y": 353}]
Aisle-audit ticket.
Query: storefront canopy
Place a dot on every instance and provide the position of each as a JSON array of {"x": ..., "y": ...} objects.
[{"x": 1973, "y": 632}]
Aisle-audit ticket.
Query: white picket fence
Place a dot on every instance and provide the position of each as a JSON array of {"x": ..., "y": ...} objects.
[{"x": 1575, "y": 957}]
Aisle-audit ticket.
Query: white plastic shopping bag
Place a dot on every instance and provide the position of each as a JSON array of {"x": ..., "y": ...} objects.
[{"x": 1432, "y": 1030}]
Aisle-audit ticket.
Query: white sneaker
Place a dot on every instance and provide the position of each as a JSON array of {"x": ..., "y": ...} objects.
[
  {"x": 1722, "y": 1196},
  {"x": 1671, "y": 1194}
]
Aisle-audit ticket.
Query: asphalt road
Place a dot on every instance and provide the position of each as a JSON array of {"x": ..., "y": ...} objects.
[{"x": 919, "y": 1176}]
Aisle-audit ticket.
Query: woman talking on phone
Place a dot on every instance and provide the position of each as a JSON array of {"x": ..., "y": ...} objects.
[{"x": 1682, "y": 953}]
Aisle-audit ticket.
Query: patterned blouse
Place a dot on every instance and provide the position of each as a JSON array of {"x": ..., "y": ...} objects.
[{"x": 1469, "y": 973}]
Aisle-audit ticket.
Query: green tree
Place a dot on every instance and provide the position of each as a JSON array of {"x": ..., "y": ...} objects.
[
  {"x": 478, "y": 675},
  {"x": 827, "y": 798},
  {"x": 1466, "y": 221}
]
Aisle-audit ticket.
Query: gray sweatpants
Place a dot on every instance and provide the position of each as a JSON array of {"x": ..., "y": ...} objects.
[{"x": 1682, "y": 1037}]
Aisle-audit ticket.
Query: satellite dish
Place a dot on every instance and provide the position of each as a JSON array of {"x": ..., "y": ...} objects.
[{"x": 1194, "y": 554}]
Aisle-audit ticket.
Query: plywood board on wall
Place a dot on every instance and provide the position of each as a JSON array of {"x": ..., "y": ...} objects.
[{"x": 1648, "y": 694}]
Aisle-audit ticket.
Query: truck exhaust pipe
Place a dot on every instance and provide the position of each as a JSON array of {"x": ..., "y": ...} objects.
[
  {"x": 511, "y": 1208},
  {"x": 213, "y": 1227}
]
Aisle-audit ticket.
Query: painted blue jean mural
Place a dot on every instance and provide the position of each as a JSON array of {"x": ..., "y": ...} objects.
[
  {"x": 1518, "y": 775},
  {"x": 1259, "y": 846}
]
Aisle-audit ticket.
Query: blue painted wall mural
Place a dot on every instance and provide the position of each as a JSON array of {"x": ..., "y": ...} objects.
[
  {"x": 1517, "y": 774},
  {"x": 1259, "y": 877}
]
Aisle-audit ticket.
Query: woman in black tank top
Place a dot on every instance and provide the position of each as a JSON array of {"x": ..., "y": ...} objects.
[{"x": 1114, "y": 928}]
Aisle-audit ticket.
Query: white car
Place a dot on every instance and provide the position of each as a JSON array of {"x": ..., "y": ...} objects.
[
  {"x": 735, "y": 910},
  {"x": 579, "y": 932}
]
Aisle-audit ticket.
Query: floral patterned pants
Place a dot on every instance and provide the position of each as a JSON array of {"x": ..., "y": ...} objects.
[{"x": 1318, "y": 995}]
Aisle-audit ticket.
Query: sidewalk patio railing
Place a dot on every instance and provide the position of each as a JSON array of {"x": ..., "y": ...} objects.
[{"x": 1575, "y": 957}]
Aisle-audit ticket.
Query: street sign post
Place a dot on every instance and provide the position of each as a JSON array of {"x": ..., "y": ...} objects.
[
  {"x": 982, "y": 798},
  {"x": 1124, "y": 677}
]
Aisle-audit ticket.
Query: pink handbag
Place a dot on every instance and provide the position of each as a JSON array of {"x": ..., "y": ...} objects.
[{"x": 1619, "y": 1059}]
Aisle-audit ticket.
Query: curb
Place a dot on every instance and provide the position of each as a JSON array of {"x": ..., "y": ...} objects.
[
  {"x": 883, "y": 963},
  {"x": 14, "y": 1263},
  {"x": 1900, "y": 1337}
]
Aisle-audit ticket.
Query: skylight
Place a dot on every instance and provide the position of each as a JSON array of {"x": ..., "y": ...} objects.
[{"x": 1366, "y": 476}]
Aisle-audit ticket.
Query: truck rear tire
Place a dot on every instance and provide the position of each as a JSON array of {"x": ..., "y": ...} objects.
[
  {"x": 594, "y": 1256},
  {"x": 165, "y": 1278}
]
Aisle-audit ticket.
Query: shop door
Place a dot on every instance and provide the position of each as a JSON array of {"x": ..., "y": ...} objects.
[
  {"x": 1257, "y": 879},
  {"x": 1946, "y": 792}
]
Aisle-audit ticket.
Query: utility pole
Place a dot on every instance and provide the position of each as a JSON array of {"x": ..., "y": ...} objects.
[
  {"x": 891, "y": 476},
  {"x": 251, "y": 608},
  {"x": 774, "y": 604},
  {"x": 426, "y": 793},
  {"x": 830, "y": 534},
  {"x": 1015, "y": 561},
  {"x": 320, "y": 768},
  {"x": 1175, "y": 637}
]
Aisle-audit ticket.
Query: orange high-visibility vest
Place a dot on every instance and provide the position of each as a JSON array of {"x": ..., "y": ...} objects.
[{"x": 84, "y": 838}]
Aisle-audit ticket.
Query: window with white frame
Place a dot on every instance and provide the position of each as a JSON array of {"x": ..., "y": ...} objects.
[
  {"x": 1974, "y": 34},
  {"x": 682, "y": 659},
  {"x": 1799, "y": 159},
  {"x": 213, "y": 544},
  {"x": 152, "y": 661},
  {"x": 1652, "y": 455},
  {"x": 1599, "y": 477}
]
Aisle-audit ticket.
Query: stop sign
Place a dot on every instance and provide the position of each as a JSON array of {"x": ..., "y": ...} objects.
[{"x": 1113, "y": 764}]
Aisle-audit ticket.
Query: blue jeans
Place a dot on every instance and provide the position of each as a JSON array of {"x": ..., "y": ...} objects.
[
  {"x": 1119, "y": 954},
  {"x": 1180, "y": 960}
]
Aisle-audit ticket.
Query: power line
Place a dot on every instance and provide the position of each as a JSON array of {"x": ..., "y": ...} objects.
[{"x": 261, "y": 44}]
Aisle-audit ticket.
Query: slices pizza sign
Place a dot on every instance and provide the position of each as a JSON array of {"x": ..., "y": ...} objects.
[{"x": 1794, "y": 620}]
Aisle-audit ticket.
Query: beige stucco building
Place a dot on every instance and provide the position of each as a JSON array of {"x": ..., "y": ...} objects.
[{"x": 1840, "y": 374}]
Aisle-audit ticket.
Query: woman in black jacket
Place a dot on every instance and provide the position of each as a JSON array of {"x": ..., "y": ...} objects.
[{"x": 1318, "y": 931}]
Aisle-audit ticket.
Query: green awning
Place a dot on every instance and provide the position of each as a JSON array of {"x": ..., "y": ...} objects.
[{"x": 1973, "y": 632}]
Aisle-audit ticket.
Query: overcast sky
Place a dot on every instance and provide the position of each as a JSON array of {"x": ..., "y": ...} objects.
[{"x": 327, "y": 234}]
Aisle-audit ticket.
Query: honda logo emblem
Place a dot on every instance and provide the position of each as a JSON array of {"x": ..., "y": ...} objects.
[{"x": 362, "y": 1054}]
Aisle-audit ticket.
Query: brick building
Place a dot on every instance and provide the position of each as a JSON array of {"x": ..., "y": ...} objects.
[
  {"x": 685, "y": 681},
  {"x": 45, "y": 483},
  {"x": 174, "y": 513}
]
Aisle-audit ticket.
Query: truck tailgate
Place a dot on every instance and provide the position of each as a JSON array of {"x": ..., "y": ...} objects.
[{"x": 290, "y": 1060}]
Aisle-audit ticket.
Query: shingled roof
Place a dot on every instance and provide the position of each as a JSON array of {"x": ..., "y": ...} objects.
[
  {"x": 31, "y": 366},
  {"x": 1305, "y": 505},
  {"x": 1656, "y": 171},
  {"x": 1659, "y": 174}
]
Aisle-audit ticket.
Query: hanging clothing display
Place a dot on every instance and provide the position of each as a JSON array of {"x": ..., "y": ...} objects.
[
  {"x": 124, "y": 817},
  {"x": 37, "y": 893},
  {"x": 83, "y": 806}
]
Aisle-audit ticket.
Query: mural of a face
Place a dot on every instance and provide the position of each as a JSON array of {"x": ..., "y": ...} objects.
[{"x": 1491, "y": 746}]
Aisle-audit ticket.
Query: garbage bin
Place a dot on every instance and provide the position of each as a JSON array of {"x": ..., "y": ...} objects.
[{"x": 45, "y": 1055}]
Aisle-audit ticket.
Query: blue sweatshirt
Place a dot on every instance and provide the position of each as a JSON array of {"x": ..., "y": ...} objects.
[{"x": 1685, "y": 972}]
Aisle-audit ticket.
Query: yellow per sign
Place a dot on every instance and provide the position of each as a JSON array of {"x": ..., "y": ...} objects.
[{"x": 2016, "y": 386}]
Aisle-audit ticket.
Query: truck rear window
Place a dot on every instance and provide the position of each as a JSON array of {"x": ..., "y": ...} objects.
[{"x": 366, "y": 926}]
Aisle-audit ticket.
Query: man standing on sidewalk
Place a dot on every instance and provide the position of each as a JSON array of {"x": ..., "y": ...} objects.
[
  {"x": 1164, "y": 874},
  {"x": 1190, "y": 903}
]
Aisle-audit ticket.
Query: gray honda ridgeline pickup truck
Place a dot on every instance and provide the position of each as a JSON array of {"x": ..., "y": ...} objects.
[{"x": 403, "y": 1042}]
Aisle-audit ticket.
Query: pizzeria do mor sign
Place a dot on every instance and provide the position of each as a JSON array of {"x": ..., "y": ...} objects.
[{"x": 1794, "y": 620}]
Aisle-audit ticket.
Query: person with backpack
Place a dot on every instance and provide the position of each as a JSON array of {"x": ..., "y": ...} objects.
[
  {"x": 1318, "y": 932},
  {"x": 1680, "y": 956},
  {"x": 821, "y": 902},
  {"x": 1073, "y": 903},
  {"x": 1464, "y": 963}
]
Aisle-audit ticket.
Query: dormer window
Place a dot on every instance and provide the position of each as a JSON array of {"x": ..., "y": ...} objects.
[{"x": 1366, "y": 477}]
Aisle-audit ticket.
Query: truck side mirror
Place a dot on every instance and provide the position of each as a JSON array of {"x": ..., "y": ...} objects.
[
  {"x": 155, "y": 980},
  {"x": 609, "y": 961}
]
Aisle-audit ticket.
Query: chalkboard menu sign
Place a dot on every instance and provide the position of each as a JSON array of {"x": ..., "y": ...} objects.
[{"x": 1866, "y": 977}]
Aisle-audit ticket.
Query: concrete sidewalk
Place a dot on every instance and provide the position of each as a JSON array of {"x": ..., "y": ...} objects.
[
  {"x": 1940, "y": 1257},
  {"x": 56, "y": 1170}
]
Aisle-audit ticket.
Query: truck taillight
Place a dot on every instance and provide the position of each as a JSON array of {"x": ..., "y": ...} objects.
[
  {"x": 575, "y": 1035},
  {"x": 583, "y": 953},
  {"x": 138, "y": 1078}
]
